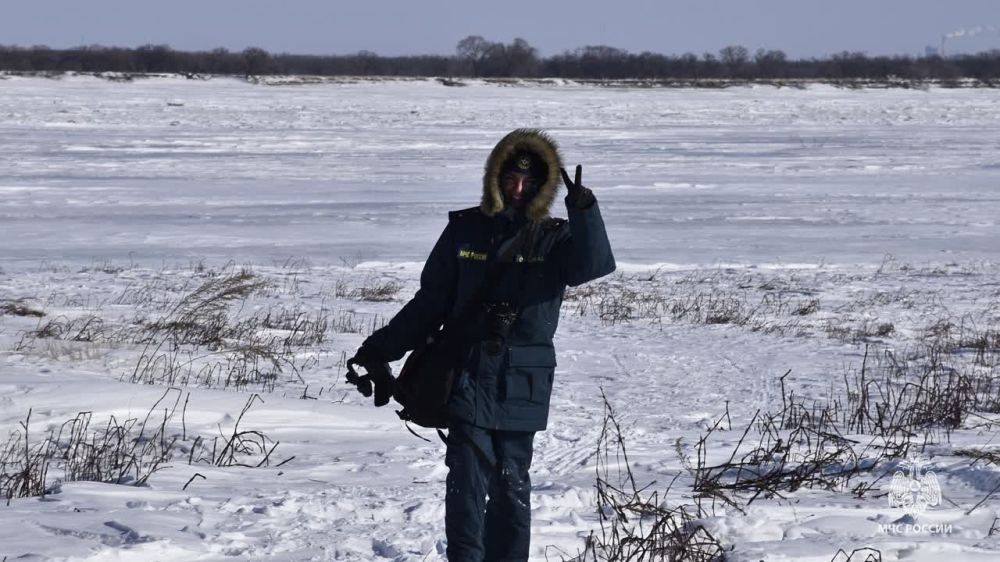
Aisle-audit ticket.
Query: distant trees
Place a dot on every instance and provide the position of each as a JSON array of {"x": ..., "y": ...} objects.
[
  {"x": 474, "y": 51},
  {"x": 736, "y": 58},
  {"x": 155, "y": 58},
  {"x": 522, "y": 58},
  {"x": 734, "y": 55},
  {"x": 477, "y": 56},
  {"x": 601, "y": 61},
  {"x": 770, "y": 64},
  {"x": 256, "y": 61}
]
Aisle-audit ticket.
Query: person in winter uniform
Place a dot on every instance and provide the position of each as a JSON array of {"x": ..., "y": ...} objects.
[{"x": 501, "y": 397}]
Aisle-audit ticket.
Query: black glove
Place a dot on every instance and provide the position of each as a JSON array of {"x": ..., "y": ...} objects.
[
  {"x": 378, "y": 373},
  {"x": 579, "y": 197},
  {"x": 366, "y": 355}
]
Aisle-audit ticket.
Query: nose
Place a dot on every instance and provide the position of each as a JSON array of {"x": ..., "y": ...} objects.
[{"x": 519, "y": 186}]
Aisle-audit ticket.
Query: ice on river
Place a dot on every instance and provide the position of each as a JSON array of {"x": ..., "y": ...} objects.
[{"x": 169, "y": 168}]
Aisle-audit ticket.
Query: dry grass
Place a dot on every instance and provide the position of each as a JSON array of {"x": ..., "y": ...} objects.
[
  {"x": 372, "y": 290},
  {"x": 236, "y": 446},
  {"x": 202, "y": 340},
  {"x": 128, "y": 451},
  {"x": 851, "y": 440},
  {"x": 635, "y": 523},
  {"x": 226, "y": 327},
  {"x": 121, "y": 452},
  {"x": 86, "y": 328},
  {"x": 201, "y": 317},
  {"x": 20, "y": 308},
  {"x": 694, "y": 299}
]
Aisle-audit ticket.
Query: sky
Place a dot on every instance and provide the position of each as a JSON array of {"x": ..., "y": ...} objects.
[{"x": 801, "y": 28}]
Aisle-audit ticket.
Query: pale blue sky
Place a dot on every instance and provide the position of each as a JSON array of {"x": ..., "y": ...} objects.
[{"x": 800, "y": 27}]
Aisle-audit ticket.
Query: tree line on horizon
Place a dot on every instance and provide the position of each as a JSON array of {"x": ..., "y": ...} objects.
[{"x": 478, "y": 57}]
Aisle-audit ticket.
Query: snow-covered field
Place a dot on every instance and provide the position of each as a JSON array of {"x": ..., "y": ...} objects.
[{"x": 757, "y": 231}]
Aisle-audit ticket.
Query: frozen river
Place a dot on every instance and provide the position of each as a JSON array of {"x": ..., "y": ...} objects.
[{"x": 173, "y": 169}]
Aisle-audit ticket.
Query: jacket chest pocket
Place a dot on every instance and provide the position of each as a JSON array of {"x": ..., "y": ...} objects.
[{"x": 528, "y": 374}]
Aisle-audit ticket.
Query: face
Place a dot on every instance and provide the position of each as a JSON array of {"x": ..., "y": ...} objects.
[{"x": 518, "y": 188}]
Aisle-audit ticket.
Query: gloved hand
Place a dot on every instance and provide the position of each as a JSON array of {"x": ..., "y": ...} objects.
[
  {"x": 579, "y": 197},
  {"x": 377, "y": 373}
]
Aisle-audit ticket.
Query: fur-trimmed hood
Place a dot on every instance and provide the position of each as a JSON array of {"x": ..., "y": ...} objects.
[{"x": 532, "y": 140}]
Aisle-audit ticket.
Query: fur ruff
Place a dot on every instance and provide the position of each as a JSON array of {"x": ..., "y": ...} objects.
[{"x": 533, "y": 140}]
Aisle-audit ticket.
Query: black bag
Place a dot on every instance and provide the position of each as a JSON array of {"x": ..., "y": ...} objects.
[{"x": 424, "y": 384}]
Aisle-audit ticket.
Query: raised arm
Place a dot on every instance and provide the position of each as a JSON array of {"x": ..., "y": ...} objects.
[{"x": 584, "y": 251}]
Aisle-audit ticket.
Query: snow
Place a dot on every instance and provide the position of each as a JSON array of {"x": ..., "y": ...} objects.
[{"x": 881, "y": 204}]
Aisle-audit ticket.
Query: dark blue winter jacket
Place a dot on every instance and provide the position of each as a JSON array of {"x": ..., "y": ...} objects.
[{"x": 508, "y": 390}]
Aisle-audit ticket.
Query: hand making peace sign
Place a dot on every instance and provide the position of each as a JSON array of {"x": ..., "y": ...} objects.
[{"x": 579, "y": 197}]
